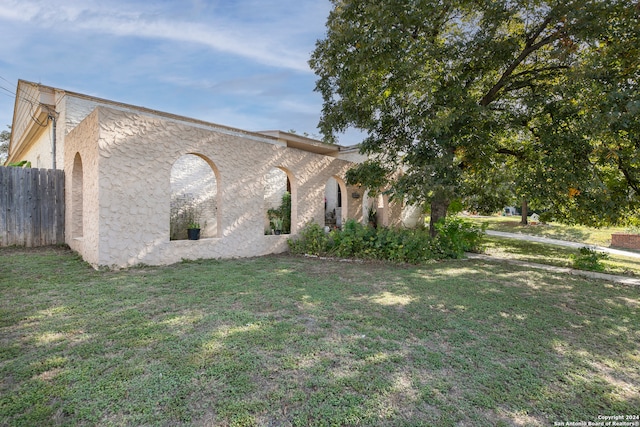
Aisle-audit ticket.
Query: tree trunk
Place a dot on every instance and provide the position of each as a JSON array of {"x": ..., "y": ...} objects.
[
  {"x": 439, "y": 208},
  {"x": 525, "y": 212}
]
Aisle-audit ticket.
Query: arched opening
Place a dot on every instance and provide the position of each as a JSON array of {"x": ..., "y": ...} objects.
[
  {"x": 382, "y": 210},
  {"x": 335, "y": 202},
  {"x": 194, "y": 197},
  {"x": 375, "y": 209},
  {"x": 77, "y": 207},
  {"x": 369, "y": 204},
  {"x": 277, "y": 202}
]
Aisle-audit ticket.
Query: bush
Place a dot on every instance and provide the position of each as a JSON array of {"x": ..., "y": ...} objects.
[
  {"x": 398, "y": 245},
  {"x": 456, "y": 236},
  {"x": 311, "y": 240},
  {"x": 588, "y": 259}
]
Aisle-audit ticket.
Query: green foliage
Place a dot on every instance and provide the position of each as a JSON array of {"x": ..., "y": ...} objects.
[
  {"x": 277, "y": 223},
  {"x": 371, "y": 175},
  {"x": 185, "y": 215},
  {"x": 456, "y": 236},
  {"x": 490, "y": 101},
  {"x": 280, "y": 217},
  {"x": 588, "y": 259},
  {"x": 5, "y": 137},
  {"x": 398, "y": 245},
  {"x": 20, "y": 164},
  {"x": 311, "y": 240}
]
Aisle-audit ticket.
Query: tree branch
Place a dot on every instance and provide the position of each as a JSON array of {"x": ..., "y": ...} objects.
[
  {"x": 529, "y": 48},
  {"x": 540, "y": 70},
  {"x": 633, "y": 183},
  {"x": 517, "y": 154}
]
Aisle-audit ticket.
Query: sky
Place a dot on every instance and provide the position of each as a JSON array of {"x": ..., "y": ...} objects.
[{"x": 239, "y": 63}]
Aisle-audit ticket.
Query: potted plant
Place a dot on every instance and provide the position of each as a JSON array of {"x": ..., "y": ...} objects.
[
  {"x": 277, "y": 225},
  {"x": 193, "y": 230}
]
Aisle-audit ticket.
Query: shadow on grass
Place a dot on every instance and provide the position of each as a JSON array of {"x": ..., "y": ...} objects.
[
  {"x": 554, "y": 231},
  {"x": 545, "y": 253},
  {"x": 291, "y": 341}
]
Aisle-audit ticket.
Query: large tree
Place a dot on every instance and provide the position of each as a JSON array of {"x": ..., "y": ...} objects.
[{"x": 448, "y": 88}]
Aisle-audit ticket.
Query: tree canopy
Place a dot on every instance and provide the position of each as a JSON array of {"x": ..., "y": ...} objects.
[{"x": 457, "y": 93}]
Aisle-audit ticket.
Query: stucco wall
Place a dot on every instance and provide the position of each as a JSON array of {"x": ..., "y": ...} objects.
[
  {"x": 136, "y": 153},
  {"x": 82, "y": 141},
  {"x": 39, "y": 154}
]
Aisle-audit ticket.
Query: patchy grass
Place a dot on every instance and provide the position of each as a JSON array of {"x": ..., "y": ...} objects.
[
  {"x": 581, "y": 234},
  {"x": 286, "y": 341},
  {"x": 560, "y": 256}
]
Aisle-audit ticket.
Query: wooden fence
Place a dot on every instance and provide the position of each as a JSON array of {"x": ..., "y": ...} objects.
[{"x": 31, "y": 207}]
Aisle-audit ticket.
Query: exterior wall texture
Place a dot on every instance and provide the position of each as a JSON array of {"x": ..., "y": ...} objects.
[
  {"x": 40, "y": 152},
  {"x": 127, "y": 160},
  {"x": 82, "y": 141}
]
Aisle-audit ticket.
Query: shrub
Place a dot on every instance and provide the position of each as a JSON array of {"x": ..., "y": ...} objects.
[
  {"x": 311, "y": 240},
  {"x": 398, "y": 245},
  {"x": 588, "y": 259},
  {"x": 456, "y": 236}
]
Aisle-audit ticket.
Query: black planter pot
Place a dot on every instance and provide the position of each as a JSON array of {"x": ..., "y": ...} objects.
[
  {"x": 193, "y": 233},
  {"x": 278, "y": 232}
]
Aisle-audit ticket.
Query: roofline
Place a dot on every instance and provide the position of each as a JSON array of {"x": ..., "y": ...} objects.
[
  {"x": 294, "y": 140},
  {"x": 150, "y": 111}
]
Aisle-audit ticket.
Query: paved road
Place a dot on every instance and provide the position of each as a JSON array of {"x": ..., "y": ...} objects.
[{"x": 539, "y": 239}]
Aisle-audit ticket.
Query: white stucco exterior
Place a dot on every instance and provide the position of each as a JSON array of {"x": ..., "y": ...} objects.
[
  {"x": 124, "y": 165},
  {"x": 127, "y": 160}
]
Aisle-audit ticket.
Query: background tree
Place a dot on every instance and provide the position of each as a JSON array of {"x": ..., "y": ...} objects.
[
  {"x": 439, "y": 86},
  {"x": 5, "y": 137}
]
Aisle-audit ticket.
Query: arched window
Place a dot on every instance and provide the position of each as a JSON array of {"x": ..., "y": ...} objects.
[
  {"x": 194, "y": 197},
  {"x": 277, "y": 202},
  {"x": 77, "y": 189},
  {"x": 334, "y": 202}
]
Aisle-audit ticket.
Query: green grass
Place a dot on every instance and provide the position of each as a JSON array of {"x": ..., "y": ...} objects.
[
  {"x": 581, "y": 234},
  {"x": 286, "y": 341},
  {"x": 549, "y": 254}
]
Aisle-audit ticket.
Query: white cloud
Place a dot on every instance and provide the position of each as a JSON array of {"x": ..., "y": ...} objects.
[
  {"x": 240, "y": 63},
  {"x": 269, "y": 42}
]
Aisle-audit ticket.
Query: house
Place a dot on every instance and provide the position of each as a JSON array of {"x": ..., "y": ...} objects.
[{"x": 130, "y": 171}]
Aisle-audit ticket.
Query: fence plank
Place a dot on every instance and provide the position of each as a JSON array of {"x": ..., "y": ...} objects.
[
  {"x": 31, "y": 207},
  {"x": 34, "y": 236},
  {"x": 28, "y": 203},
  {"x": 45, "y": 205},
  {"x": 11, "y": 208}
]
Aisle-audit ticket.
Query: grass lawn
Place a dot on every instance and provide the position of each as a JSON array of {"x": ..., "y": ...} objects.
[
  {"x": 560, "y": 256},
  {"x": 575, "y": 233},
  {"x": 287, "y": 341}
]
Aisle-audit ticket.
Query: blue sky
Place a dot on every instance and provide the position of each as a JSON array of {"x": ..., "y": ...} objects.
[{"x": 240, "y": 63}]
